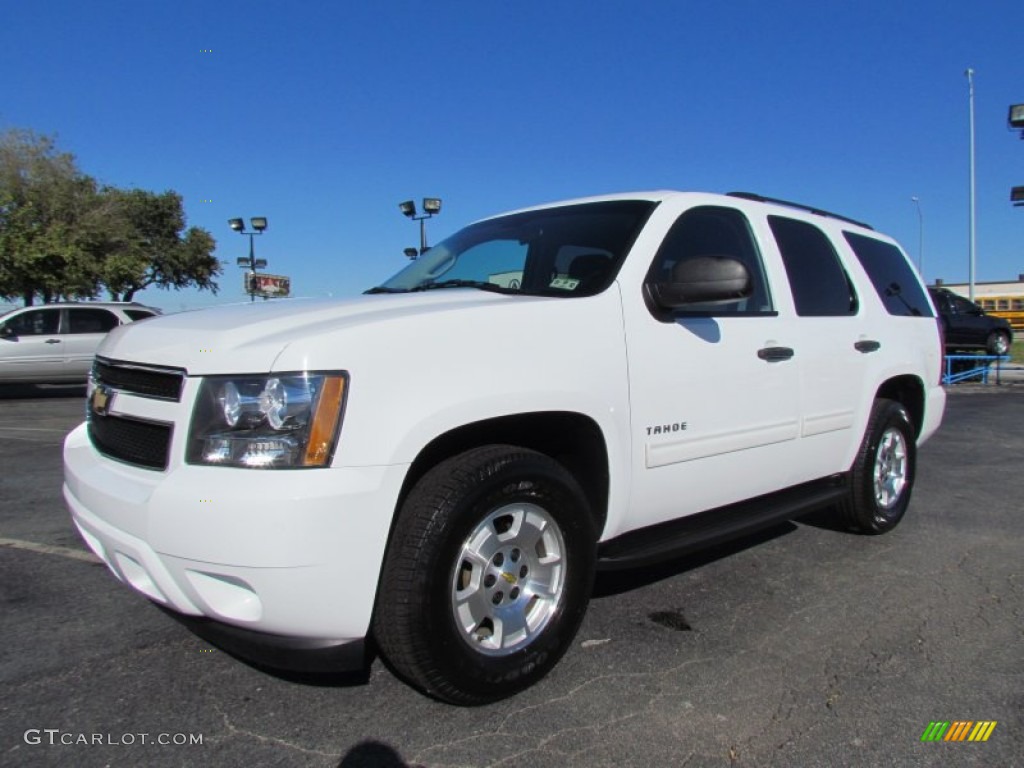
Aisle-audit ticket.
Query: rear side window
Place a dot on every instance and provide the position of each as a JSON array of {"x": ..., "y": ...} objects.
[
  {"x": 91, "y": 320},
  {"x": 820, "y": 285},
  {"x": 894, "y": 280}
]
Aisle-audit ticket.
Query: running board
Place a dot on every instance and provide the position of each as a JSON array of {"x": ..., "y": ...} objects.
[{"x": 664, "y": 541}]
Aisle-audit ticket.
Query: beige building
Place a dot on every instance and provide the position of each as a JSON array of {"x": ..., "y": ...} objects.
[{"x": 981, "y": 290}]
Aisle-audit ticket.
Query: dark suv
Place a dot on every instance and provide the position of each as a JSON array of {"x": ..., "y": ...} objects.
[{"x": 967, "y": 327}]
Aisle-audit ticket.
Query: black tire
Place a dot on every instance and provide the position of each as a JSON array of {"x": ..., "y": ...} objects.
[
  {"x": 882, "y": 476},
  {"x": 998, "y": 343},
  {"x": 441, "y": 549}
]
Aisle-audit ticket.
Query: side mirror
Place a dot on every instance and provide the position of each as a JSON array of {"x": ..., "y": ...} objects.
[
  {"x": 703, "y": 280},
  {"x": 7, "y": 333}
]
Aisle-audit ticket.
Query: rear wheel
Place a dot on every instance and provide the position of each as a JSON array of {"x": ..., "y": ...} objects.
[
  {"x": 998, "y": 343},
  {"x": 487, "y": 576},
  {"x": 882, "y": 475}
]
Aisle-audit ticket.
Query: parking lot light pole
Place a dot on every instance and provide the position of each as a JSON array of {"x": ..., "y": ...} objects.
[
  {"x": 259, "y": 224},
  {"x": 970, "y": 96},
  {"x": 431, "y": 206},
  {"x": 920, "y": 236}
]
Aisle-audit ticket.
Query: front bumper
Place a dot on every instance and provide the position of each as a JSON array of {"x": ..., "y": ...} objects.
[{"x": 292, "y": 555}]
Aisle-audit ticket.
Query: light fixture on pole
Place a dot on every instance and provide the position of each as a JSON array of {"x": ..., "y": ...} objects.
[
  {"x": 431, "y": 207},
  {"x": 1015, "y": 121},
  {"x": 1016, "y": 118},
  {"x": 920, "y": 236},
  {"x": 259, "y": 224}
]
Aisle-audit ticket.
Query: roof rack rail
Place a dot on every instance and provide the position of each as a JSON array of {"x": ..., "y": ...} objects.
[{"x": 762, "y": 199}]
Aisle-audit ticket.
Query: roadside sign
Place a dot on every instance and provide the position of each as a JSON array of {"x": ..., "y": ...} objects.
[{"x": 270, "y": 286}]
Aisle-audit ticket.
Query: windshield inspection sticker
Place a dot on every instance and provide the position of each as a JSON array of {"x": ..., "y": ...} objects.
[{"x": 564, "y": 283}]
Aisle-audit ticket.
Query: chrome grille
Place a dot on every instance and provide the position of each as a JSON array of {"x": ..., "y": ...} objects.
[{"x": 141, "y": 380}]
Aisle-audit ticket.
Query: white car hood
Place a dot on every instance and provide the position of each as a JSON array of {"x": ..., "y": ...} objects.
[{"x": 248, "y": 338}]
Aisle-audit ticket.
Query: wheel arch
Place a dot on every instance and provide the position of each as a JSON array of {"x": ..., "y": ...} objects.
[
  {"x": 908, "y": 390},
  {"x": 573, "y": 439}
]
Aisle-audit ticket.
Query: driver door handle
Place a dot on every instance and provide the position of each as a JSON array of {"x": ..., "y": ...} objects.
[
  {"x": 53, "y": 341},
  {"x": 775, "y": 354},
  {"x": 867, "y": 345}
]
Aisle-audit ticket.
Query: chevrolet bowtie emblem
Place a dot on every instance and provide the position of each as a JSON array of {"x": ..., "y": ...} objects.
[{"x": 102, "y": 398}]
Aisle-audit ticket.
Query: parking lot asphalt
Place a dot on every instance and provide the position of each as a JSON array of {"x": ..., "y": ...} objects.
[{"x": 802, "y": 646}]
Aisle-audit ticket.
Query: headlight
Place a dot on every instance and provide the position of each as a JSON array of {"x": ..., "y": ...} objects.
[{"x": 280, "y": 420}]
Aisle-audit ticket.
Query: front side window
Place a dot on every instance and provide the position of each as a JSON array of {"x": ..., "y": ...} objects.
[
  {"x": 891, "y": 275},
  {"x": 820, "y": 285},
  {"x": 91, "y": 320},
  {"x": 962, "y": 306},
  {"x": 716, "y": 232},
  {"x": 35, "y": 322},
  {"x": 573, "y": 250}
]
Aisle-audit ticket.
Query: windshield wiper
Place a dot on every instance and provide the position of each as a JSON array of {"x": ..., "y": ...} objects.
[
  {"x": 481, "y": 284},
  {"x": 382, "y": 289}
]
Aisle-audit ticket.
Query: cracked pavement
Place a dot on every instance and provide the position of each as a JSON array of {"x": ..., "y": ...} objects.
[{"x": 801, "y": 646}]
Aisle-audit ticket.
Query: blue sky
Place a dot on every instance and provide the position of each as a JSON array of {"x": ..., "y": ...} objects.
[{"x": 323, "y": 117}]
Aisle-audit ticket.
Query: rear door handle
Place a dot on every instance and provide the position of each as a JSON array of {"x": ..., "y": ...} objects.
[
  {"x": 775, "y": 354},
  {"x": 867, "y": 346},
  {"x": 53, "y": 341}
]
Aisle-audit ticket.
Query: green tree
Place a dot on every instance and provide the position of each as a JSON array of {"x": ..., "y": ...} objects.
[
  {"x": 61, "y": 236},
  {"x": 145, "y": 244},
  {"x": 43, "y": 199}
]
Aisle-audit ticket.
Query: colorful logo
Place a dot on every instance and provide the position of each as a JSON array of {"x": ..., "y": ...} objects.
[{"x": 959, "y": 730}]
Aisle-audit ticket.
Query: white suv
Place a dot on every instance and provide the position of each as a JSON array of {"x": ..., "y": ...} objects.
[
  {"x": 442, "y": 464},
  {"x": 55, "y": 343}
]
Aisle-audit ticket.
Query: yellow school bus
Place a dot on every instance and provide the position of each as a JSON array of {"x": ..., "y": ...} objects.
[{"x": 1010, "y": 307}]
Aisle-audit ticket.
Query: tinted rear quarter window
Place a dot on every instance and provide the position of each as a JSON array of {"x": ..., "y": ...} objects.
[
  {"x": 891, "y": 275},
  {"x": 138, "y": 314},
  {"x": 820, "y": 285}
]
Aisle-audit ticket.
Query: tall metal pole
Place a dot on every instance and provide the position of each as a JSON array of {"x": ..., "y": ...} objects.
[
  {"x": 252, "y": 267},
  {"x": 970, "y": 89},
  {"x": 920, "y": 236}
]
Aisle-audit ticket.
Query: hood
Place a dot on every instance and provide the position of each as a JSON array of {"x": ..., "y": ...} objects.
[{"x": 242, "y": 338}]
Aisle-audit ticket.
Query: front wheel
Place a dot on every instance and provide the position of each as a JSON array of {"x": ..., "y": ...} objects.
[
  {"x": 487, "y": 576},
  {"x": 998, "y": 343},
  {"x": 882, "y": 475}
]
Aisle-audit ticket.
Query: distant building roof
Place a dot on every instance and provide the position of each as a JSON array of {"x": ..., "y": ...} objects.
[{"x": 987, "y": 287}]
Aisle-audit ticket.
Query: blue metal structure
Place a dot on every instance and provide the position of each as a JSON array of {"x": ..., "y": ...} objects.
[{"x": 978, "y": 367}]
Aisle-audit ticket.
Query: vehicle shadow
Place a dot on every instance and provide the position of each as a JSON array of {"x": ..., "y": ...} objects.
[
  {"x": 373, "y": 754},
  {"x": 827, "y": 519},
  {"x": 40, "y": 391},
  {"x": 607, "y": 584}
]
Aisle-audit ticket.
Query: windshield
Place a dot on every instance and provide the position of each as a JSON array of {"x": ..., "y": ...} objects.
[{"x": 575, "y": 250}]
